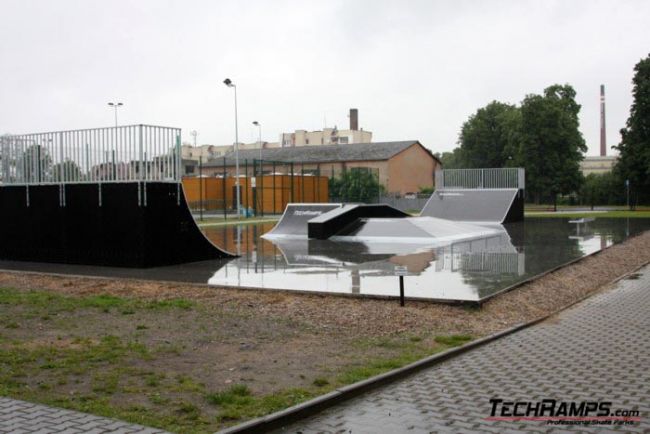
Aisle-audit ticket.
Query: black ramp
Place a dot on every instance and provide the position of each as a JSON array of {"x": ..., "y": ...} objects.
[
  {"x": 114, "y": 224},
  {"x": 480, "y": 205},
  {"x": 296, "y": 215}
]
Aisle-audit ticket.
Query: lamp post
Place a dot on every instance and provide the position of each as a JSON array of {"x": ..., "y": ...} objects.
[
  {"x": 115, "y": 105},
  {"x": 259, "y": 127},
  {"x": 229, "y": 83}
]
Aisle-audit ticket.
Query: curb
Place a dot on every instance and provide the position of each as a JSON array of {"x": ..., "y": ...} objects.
[{"x": 313, "y": 406}]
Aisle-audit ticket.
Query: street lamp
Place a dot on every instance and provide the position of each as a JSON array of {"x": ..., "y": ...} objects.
[
  {"x": 259, "y": 127},
  {"x": 229, "y": 83},
  {"x": 115, "y": 105}
]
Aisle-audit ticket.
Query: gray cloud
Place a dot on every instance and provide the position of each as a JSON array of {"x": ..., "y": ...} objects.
[{"x": 415, "y": 69}]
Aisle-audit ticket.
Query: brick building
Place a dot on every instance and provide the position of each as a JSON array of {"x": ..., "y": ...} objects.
[{"x": 401, "y": 167}]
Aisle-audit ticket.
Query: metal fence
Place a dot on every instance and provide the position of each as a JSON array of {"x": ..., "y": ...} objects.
[
  {"x": 509, "y": 177},
  {"x": 115, "y": 154}
]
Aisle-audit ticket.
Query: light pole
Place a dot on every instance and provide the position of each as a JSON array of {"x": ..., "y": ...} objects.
[
  {"x": 193, "y": 133},
  {"x": 115, "y": 105},
  {"x": 259, "y": 127},
  {"x": 229, "y": 83}
]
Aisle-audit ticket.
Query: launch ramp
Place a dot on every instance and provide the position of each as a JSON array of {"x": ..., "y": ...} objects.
[
  {"x": 478, "y": 195},
  {"x": 293, "y": 222}
]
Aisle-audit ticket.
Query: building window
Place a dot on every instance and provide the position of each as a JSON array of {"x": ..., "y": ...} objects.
[{"x": 343, "y": 140}]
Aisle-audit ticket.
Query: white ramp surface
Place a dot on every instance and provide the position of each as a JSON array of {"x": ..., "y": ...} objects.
[
  {"x": 293, "y": 222},
  {"x": 470, "y": 205}
]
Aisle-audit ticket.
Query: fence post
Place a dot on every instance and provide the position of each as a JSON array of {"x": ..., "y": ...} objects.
[
  {"x": 223, "y": 187},
  {"x": 291, "y": 179},
  {"x": 261, "y": 195},
  {"x": 201, "y": 186}
]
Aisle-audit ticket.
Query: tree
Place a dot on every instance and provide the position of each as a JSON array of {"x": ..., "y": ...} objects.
[
  {"x": 487, "y": 138},
  {"x": 634, "y": 159},
  {"x": 35, "y": 164},
  {"x": 66, "y": 171},
  {"x": 356, "y": 185},
  {"x": 550, "y": 143},
  {"x": 600, "y": 189},
  {"x": 450, "y": 160}
]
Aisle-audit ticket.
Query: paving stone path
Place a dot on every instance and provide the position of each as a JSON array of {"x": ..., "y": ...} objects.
[
  {"x": 20, "y": 417},
  {"x": 599, "y": 350}
]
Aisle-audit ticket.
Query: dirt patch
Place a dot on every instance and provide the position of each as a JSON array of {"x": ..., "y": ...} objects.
[{"x": 164, "y": 359}]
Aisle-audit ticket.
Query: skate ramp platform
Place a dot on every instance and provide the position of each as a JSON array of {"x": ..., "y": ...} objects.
[
  {"x": 321, "y": 221},
  {"x": 333, "y": 222},
  {"x": 502, "y": 205}
]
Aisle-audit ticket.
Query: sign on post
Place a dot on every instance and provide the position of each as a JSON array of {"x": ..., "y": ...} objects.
[{"x": 401, "y": 270}]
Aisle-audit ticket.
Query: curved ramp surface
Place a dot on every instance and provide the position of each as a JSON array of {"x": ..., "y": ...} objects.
[
  {"x": 127, "y": 224},
  {"x": 476, "y": 205},
  {"x": 293, "y": 222}
]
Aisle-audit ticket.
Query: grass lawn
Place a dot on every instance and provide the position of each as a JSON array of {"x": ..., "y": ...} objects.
[
  {"x": 580, "y": 214},
  {"x": 220, "y": 221},
  {"x": 177, "y": 364}
]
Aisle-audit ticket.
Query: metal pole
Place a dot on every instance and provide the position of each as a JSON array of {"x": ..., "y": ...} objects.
[
  {"x": 247, "y": 181},
  {"x": 291, "y": 167},
  {"x": 401, "y": 291},
  {"x": 237, "y": 156},
  {"x": 201, "y": 186},
  {"x": 225, "y": 216}
]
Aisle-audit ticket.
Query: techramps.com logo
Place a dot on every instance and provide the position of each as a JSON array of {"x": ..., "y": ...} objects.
[{"x": 555, "y": 412}]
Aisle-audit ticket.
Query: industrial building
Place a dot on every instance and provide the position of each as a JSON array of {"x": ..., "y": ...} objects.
[{"x": 401, "y": 167}]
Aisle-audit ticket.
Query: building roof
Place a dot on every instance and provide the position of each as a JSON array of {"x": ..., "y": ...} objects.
[{"x": 377, "y": 151}]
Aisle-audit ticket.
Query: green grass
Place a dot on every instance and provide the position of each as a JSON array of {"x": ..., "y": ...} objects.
[
  {"x": 581, "y": 214},
  {"x": 238, "y": 402},
  {"x": 453, "y": 340},
  {"x": 410, "y": 349},
  {"x": 64, "y": 303},
  {"x": 220, "y": 221}
]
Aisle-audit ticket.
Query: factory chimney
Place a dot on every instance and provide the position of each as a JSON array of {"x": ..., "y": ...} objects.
[
  {"x": 603, "y": 136},
  {"x": 354, "y": 119}
]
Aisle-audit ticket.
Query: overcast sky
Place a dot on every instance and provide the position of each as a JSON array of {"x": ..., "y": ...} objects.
[{"x": 414, "y": 69}]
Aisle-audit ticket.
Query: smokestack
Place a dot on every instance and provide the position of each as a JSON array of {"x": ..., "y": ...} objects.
[
  {"x": 354, "y": 119},
  {"x": 603, "y": 136}
]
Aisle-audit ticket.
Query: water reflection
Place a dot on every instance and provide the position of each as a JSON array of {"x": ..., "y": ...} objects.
[
  {"x": 465, "y": 271},
  {"x": 469, "y": 270}
]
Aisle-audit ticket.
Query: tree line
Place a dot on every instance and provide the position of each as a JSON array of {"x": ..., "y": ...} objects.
[{"x": 542, "y": 135}]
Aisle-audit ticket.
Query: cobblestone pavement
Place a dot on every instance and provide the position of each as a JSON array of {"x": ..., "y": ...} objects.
[
  {"x": 19, "y": 417},
  {"x": 599, "y": 350}
]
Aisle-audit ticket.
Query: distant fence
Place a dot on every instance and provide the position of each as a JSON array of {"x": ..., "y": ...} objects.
[
  {"x": 116, "y": 154},
  {"x": 509, "y": 177},
  {"x": 259, "y": 194}
]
